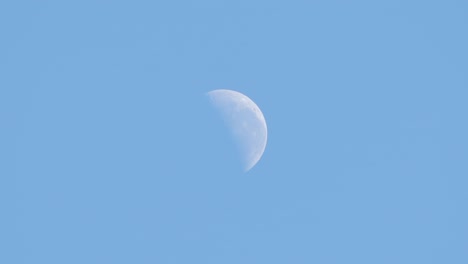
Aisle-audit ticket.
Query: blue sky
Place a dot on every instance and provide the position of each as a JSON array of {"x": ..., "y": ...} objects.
[{"x": 111, "y": 153}]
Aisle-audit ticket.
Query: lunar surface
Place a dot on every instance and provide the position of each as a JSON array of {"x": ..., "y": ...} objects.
[{"x": 245, "y": 121}]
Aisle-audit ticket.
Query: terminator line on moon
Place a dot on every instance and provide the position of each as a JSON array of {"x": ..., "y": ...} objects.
[{"x": 245, "y": 121}]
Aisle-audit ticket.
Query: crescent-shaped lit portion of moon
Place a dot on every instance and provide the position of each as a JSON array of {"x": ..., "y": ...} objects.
[{"x": 245, "y": 121}]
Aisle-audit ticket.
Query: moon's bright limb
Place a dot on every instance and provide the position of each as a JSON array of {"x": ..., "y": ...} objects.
[{"x": 246, "y": 122}]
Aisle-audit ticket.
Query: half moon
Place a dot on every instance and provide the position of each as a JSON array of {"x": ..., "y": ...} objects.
[{"x": 246, "y": 122}]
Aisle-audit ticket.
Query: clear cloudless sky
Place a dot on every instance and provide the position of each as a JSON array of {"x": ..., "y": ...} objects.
[{"x": 111, "y": 153}]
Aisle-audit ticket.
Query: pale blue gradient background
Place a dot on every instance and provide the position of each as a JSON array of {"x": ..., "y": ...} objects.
[{"x": 110, "y": 152}]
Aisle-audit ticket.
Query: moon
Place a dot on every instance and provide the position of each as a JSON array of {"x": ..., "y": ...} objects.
[{"x": 245, "y": 121}]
